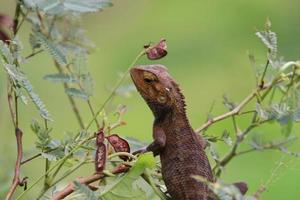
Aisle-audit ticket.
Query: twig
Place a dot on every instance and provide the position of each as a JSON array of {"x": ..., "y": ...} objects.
[
  {"x": 22, "y": 21},
  {"x": 114, "y": 89},
  {"x": 34, "y": 53},
  {"x": 87, "y": 180},
  {"x": 16, "y": 180},
  {"x": 10, "y": 103},
  {"x": 262, "y": 83},
  {"x": 268, "y": 146},
  {"x": 16, "y": 18},
  {"x": 71, "y": 100},
  {"x": 47, "y": 166},
  {"x": 88, "y": 100},
  {"x": 233, "y": 112},
  {"x": 62, "y": 160},
  {"x": 31, "y": 158}
]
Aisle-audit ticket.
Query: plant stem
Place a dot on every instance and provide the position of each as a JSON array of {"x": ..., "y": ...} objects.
[
  {"x": 118, "y": 84},
  {"x": 88, "y": 100},
  {"x": 233, "y": 112},
  {"x": 16, "y": 180},
  {"x": 47, "y": 166},
  {"x": 262, "y": 83},
  {"x": 71, "y": 100},
  {"x": 34, "y": 53}
]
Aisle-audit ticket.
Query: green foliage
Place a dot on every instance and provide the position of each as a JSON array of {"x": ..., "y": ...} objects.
[
  {"x": 43, "y": 135},
  {"x": 77, "y": 93},
  {"x": 55, "y": 7},
  {"x": 269, "y": 39},
  {"x": 51, "y": 48},
  {"x": 126, "y": 187},
  {"x": 60, "y": 78},
  {"x": 20, "y": 80}
]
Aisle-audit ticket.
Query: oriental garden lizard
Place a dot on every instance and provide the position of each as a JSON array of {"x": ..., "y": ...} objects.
[{"x": 180, "y": 149}]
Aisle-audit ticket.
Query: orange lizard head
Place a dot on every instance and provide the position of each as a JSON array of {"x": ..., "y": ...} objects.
[{"x": 157, "y": 87}]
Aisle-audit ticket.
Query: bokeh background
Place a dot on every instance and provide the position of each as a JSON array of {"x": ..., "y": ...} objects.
[{"x": 208, "y": 43}]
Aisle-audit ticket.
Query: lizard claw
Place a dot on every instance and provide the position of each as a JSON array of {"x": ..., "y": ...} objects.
[{"x": 242, "y": 186}]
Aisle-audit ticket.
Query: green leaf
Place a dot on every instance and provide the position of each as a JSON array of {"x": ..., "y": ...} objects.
[
  {"x": 42, "y": 134},
  {"x": 84, "y": 191},
  {"x": 5, "y": 52},
  {"x": 77, "y": 93},
  {"x": 55, "y": 52},
  {"x": 127, "y": 187},
  {"x": 60, "y": 78},
  {"x": 36, "y": 100},
  {"x": 87, "y": 83},
  {"x": 269, "y": 39},
  {"x": 55, "y": 7}
]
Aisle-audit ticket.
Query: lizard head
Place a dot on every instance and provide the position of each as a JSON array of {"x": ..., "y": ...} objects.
[{"x": 156, "y": 86}]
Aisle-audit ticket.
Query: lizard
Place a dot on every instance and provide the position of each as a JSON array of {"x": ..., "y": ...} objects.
[{"x": 181, "y": 150}]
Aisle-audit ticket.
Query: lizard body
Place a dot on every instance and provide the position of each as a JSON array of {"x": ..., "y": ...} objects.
[{"x": 181, "y": 150}]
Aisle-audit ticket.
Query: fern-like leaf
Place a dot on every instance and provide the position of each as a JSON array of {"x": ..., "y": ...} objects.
[
  {"x": 77, "y": 93},
  {"x": 36, "y": 100},
  {"x": 55, "y": 52},
  {"x": 60, "y": 78}
]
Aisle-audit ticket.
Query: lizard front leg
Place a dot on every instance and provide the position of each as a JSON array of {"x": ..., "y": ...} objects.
[{"x": 158, "y": 144}]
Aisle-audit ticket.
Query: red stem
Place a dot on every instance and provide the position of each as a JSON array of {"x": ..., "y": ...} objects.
[{"x": 16, "y": 180}]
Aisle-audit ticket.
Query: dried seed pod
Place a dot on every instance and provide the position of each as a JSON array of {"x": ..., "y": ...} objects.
[
  {"x": 119, "y": 144},
  {"x": 6, "y": 24},
  {"x": 157, "y": 51},
  {"x": 101, "y": 152},
  {"x": 100, "y": 137},
  {"x": 100, "y": 158}
]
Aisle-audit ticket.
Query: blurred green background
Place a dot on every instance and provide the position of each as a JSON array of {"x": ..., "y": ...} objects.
[{"x": 208, "y": 43}]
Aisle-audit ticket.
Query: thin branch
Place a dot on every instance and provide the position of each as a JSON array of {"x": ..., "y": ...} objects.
[
  {"x": 16, "y": 17},
  {"x": 87, "y": 180},
  {"x": 88, "y": 100},
  {"x": 71, "y": 100},
  {"x": 47, "y": 166},
  {"x": 233, "y": 112},
  {"x": 268, "y": 146},
  {"x": 22, "y": 21},
  {"x": 118, "y": 84},
  {"x": 17, "y": 181},
  {"x": 262, "y": 83},
  {"x": 10, "y": 103},
  {"x": 34, "y": 53},
  {"x": 31, "y": 158}
]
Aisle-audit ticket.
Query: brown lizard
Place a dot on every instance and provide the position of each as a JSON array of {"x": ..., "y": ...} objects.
[{"x": 181, "y": 150}]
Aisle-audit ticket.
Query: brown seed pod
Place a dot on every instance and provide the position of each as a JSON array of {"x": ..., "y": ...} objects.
[
  {"x": 6, "y": 24},
  {"x": 101, "y": 152},
  {"x": 100, "y": 158},
  {"x": 119, "y": 144},
  {"x": 100, "y": 137},
  {"x": 157, "y": 51}
]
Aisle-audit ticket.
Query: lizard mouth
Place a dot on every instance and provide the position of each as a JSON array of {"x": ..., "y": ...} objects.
[{"x": 136, "y": 81}]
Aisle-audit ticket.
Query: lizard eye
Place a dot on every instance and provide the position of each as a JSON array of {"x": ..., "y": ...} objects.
[{"x": 148, "y": 80}]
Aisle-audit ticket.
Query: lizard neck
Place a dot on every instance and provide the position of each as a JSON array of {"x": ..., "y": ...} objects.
[{"x": 174, "y": 115}]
